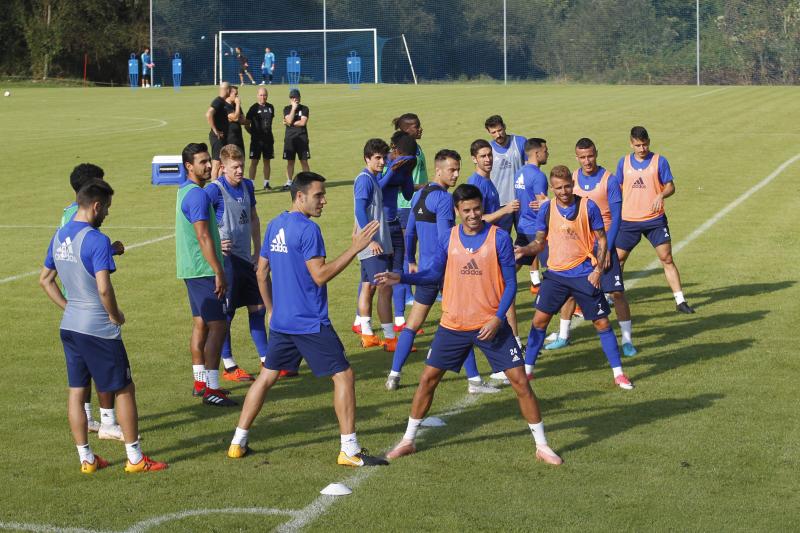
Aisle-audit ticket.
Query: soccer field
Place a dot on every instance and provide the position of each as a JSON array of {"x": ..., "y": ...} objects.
[{"x": 708, "y": 439}]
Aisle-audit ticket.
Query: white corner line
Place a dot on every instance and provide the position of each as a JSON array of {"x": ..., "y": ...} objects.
[{"x": 717, "y": 90}]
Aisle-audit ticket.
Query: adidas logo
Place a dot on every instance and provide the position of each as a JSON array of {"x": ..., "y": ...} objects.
[
  {"x": 515, "y": 358},
  {"x": 471, "y": 269},
  {"x": 616, "y": 281},
  {"x": 420, "y": 211},
  {"x": 639, "y": 183},
  {"x": 279, "y": 243},
  {"x": 243, "y": 218},
  {"x": 64, "y": 252},
  {"x": 520, "y": 183}
]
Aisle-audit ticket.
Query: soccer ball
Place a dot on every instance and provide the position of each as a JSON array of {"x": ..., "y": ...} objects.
[{"x": 7, "y": 93}]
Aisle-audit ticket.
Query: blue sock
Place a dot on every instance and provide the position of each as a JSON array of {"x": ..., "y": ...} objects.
[
  {"x": 409, "y": 292},
  {"x": 471, "y": 366},
  {"x": 399, "y": 300},
  {"x": 609, "y": 343},
  {"x": 535, "y": 343},
  {"x": 403, "y": 349},
  {"x": 258, "y": 331},
  {"x": 226, "y": 344}
]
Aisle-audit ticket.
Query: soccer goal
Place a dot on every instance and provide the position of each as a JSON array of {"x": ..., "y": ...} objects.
[{"x": 323, "y": 53}]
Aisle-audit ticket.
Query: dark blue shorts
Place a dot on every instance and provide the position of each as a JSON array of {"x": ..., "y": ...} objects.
[
  {"x": 373, "y": 265},
  {"x": 398, "y": 246},
  {"x": 450, "y": 348},
  {"x": 103, "y": 360},
  {"x": 323, "y": 351},
  {"x": 426, "y": 294},
  {"x": 555, "y": 290},
  {"x": 656, "y": 231},
  {"x": 524, "y": 239},
  {"x": 611, "y": 280},
  {"x": 402, "y": 215},
  {"x": 242, "y": 283},
  {"x": 203, "y": 301}
]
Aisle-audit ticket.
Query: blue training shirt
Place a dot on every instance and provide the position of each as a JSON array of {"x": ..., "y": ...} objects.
[
  {"x": 491, "y": 198},
  {"x": 429, "y": 234},
  {"x": 195, "y": 204},
  {"x": 530, "y": 182},
  {"x": 394, "y": 182},
  {"x": 664, "y": 171},
  {"x": 299, "y": 305},
  {"x": 269, "y": 60},
  {"x": 96, "y": 253},
  {"x": 215, "y": 195},
  {"x": 595, "y": 223}
]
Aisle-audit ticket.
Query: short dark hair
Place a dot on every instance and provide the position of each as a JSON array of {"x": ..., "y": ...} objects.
[
  {"x": 466, "y": 192},
  {"x": 478, "y": 145},
  {"x": 302, "y": 181},
  {"x": 493, "y": 121},
  {"x": 561, "y": 172},
  {"x": 84, "y": 173},
  {"x": 404, "y": 143},
  {"x": 405, "y": 120},
  {"x": 446, "y": 153},
  {"x": 375, "y": 146},
  {"x": 534, "y": 143},
  {"x": 585, "y": 143},
  {"x": 191, "y": 150},
  {"x": 95, "y": 190},
  {"x": 639, "y": 133}
]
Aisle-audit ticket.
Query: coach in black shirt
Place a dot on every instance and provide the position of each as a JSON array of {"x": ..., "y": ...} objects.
[
  {"x": 217, "y": 117},
  {"x": 295, "y": 141},
  {"x": 258, "y": 122}
]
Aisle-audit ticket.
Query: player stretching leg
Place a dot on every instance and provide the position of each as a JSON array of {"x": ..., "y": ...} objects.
[
  {"x": 294, "y": 254},
  {"x": 90, "y": 328},
  {"x": 477, "y": 262},
  {"x": 574, "y": 230}
]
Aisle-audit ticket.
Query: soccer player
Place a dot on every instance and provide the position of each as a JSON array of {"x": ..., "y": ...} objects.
[
  {"x": 482, "y": 158},
  {"x": 603, "y": 188},
  {"x": 508, "y": 152},
  {"x": 199, "y": 264},
  {"x": 295, "y": 140},
  {"x": 646, "y": 181},
  {"x": 476, "y": 261},
  {"x": 267, "y": 67},
  {"x": 217, "y": 118},
  {"x": 234, "y": 202},
  {"x": 81, "y": 256},
  {"x": 147, "y": 68},
  {"x": 294, "y": 254},
  {"x": 530, "y": 188},
  {"x": 258, "y": 123},
  {"x": 233, "y": 107},
  {"x": 431, "y": 219},
  {"x": 244, "y": 67},
  {"x": 575, "y": 234}
]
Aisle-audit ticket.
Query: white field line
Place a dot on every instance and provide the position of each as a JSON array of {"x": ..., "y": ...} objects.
[
  {"x": 54, "y": 227},
  {"x": 131, "y": 247},
  {"x": 720, "y": 89}
]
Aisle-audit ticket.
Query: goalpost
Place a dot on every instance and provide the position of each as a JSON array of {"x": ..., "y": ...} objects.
[{"x": 312, "y": 46}]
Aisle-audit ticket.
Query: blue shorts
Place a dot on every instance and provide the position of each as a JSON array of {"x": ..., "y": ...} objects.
[
  {"x": 656, "y": 231},
  {"x": 103, "y": 360},
  {"x": 373, "y": 265},
  {"x": 242, "y": 284},
  {"x": 323, "y": 351},
  {"x": 402, "y": 215},
  {"x": 506, "y": 223},
  {"x": 426, "y": 294},
  {"x": 555, "y": 290},
  {"x": 450, "y": 348},
  {"x": 524, "y": 239},
  {"x": 611, "y": 280},
  {"x": 398, "y": 245},
  {"x": 203, "y": 301}
]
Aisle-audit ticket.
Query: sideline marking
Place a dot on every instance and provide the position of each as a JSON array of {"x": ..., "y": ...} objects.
[
  {"x": 131, "y": 247},
  {"x": 710, "y": 92}
]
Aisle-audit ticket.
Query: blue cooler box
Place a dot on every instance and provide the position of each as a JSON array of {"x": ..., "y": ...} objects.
[{"x": 168, "y": 170}]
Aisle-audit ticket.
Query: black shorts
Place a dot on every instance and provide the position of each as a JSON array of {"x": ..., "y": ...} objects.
[
  {"x": 216, "y": 145},
  {"x": 296, "y": 147},
  {"x": 243, "y": 70},
  {"x": 262, "y": 148}
]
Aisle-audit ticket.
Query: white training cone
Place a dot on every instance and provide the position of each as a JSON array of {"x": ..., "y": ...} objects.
[
  {"x": 433, "y": 422},
  {"x": 336, "y": 489}
]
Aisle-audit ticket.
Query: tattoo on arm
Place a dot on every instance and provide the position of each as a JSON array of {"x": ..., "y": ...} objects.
[{"x": 602, "y": 246}]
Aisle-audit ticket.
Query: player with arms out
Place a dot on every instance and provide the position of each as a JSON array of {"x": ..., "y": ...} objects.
[
  {"x": 647, "y": 181},
  {"x": 477, "y": 263},
  {"x": 244, "y": 67},
  {"x": 573, "y": 228},
  {"x": 81, "y": 256},
  {"x": 294, "y": 255}
]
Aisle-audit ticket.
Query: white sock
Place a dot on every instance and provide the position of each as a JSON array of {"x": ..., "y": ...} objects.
[
  {"x": 229, "y": 362},
  {"x": 538, "y": 433},
  {"x": 366, "y": 325},
  {"x": 357, "y": 321},
  {"x": 240, "y": 436},
  {"x": 263, "y": 358},
  {"x": 617, "y": 370},
  {"x": 134, "y": 452},
  {"x": 393, "y": 374},
  {"x": 108, "y": 417},
  {"x": 212, "y": 379},
  {"x": 412, "y": 428},
  {"x": 388, "y": 330},
  {"x": 519, "y": 341},
  {"x": 528, "y": 369},
  {"x": 563, "y": 328},
  {"x": 679, "y": 299},
  {"x": 87, "y": 406},
  {"x": 350, "y": 444},
  {"x": 399, "y": 321},
  {"x": 536, "y": 278},
  {"x": 266, "y": 182},
  {"x": 199, "y": 372},
  {"x": 475, "y": 380},
  {"x": 625, "y": 326},
  {"x": 85, "y": 453}
]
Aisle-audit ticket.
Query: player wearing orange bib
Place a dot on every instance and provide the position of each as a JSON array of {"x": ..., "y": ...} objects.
[
  {"x": 477, "y": 262},
  {"x": 646, "y": 181}
]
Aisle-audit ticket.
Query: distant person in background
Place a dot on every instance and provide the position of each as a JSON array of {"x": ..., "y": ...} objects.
[
  {"x": 258, "y": 122},
  {"x": 508, "y": 155},
  {"x": 233, "y": 107},
  {"x": 267, "y": 67},
  {"x": 244, "y": 67},
  {"x": 147, "y": 68},
  {"x": 217, "y": 118},
  {"x": 295, "y": 141}
]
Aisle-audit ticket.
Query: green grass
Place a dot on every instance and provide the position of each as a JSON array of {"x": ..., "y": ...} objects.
[{"x": 707, "y": 440}]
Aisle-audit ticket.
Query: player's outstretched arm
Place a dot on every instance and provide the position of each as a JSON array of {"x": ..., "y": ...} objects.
[
  {"x": 322, "y": 272},
  {"x": 47, "y": 281}
]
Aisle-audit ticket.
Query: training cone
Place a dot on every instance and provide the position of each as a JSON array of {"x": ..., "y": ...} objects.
[
  {"x": 433, "y": 422},
  {"x": 336, "y": 489}
]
